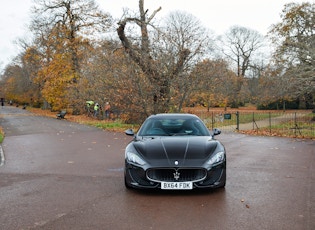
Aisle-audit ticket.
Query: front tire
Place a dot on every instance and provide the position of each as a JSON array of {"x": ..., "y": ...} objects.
[{"x": 126, "y": 184}]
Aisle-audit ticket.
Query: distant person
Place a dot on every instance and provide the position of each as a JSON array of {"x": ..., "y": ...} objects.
[
  {"x": 89, "y": 107},
  {"x": 96, "y": 109},
  {"x": 107, "y": 110},
  {"x": 2, "y": 101}
]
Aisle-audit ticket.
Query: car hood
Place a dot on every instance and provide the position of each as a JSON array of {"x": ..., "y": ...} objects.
[{"x": 186, "y": 151}]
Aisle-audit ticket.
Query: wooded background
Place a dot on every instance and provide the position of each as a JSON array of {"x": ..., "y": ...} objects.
[{"x": 143, "y": 66}]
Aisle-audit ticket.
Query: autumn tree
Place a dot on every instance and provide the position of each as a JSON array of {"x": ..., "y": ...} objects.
[
  {"x": 294, "y": 56},
  {"x": 183, "y": 33},
  {"x": 31, "y": 60},
  {"x": 111, "y": 76},
  {"x": 61, "y": 28},
  {"x": 74, "y": 17},
  {"x": 163, "y": 54},
  {"x": 217, "y": 83},
  {"x": 21, "y": 72},
  {"x": 16, "y": 85},
  {"x": 140, "y": 52},
  {"x": 240, "y": 45},
  {"x": 273, "y": 88}
]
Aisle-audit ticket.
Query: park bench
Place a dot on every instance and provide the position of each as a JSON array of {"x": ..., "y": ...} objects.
[{"x": 62, "y": 114}]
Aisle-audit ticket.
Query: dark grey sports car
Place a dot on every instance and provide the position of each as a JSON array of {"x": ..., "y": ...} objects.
[{"x": 176, "y": 152}]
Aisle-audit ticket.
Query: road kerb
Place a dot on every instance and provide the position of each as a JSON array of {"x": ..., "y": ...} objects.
[{"x": 1, "y": 156}]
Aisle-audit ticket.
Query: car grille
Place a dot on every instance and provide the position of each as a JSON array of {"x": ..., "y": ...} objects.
[{"x": 176, "y": 174}]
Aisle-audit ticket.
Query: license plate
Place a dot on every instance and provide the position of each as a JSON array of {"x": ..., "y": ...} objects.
[{"x": 176, "y": 185}]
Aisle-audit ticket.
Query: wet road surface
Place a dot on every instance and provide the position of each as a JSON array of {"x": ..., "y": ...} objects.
[{"x": 62, "y": 175}]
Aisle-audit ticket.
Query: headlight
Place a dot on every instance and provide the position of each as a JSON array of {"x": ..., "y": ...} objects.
[
  {"x": 217, "y": 158},
  {"x": 134, "y": 158}
]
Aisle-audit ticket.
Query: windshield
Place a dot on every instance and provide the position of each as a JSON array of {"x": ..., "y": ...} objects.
[{"x": 173, "y": 127}]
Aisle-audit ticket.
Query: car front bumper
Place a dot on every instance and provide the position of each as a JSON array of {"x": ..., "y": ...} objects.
[{"x": 136, "y": 177}]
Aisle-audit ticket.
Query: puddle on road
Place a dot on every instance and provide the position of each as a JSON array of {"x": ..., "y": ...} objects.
[{"x": 116, "y": 170}]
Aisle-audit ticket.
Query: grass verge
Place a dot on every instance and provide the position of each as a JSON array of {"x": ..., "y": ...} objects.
[
  {"x": 1, "y": 135},
  {"x": 110, "y": 125}
]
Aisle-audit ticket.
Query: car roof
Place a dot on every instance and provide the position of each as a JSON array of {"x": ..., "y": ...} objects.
[{"x": 173, "y": 115}]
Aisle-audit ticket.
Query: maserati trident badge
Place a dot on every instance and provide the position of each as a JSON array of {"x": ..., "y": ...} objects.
[{"x": 176, "y": 175}]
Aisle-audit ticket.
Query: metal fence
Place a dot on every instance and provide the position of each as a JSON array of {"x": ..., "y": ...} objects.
[{"x": 297, "y": 124}]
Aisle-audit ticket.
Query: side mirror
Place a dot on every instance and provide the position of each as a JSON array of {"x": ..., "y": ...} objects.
[
  {"x": 216, "y": 131},
  {"x": 129, "y": 132}
]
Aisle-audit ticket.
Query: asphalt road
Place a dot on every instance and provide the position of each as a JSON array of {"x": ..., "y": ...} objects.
[{"x": 61, "y": 175}]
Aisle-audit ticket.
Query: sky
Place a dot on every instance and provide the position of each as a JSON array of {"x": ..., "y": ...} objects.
[{"x": 216, "y": 15}]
